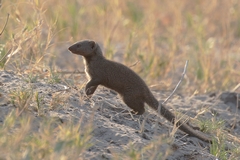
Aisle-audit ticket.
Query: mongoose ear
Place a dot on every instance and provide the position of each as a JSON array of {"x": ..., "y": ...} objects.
[{"x": 92, "y": 44}]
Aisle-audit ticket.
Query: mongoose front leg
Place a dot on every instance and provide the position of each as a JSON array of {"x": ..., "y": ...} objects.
[
  {"x": 91, "y": 87},
  {"x": 90, "y": 90}
]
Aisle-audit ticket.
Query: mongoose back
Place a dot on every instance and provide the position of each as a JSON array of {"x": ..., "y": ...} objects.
[{"x": 132, "y": 89}]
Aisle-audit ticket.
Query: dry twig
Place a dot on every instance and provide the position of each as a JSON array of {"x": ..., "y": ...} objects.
[
  {"x": 5, "y": 23},
  {"x": 184, "y": 72},
  {"x": 70, "y": 72},
  {"x": 134, "y": 64},
  {"x": 6, "y": 55}
]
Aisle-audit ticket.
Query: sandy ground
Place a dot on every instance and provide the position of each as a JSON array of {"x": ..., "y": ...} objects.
[{"x": 115, "y": 130}]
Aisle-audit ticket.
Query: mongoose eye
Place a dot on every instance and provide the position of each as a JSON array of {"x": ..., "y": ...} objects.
[{"x": 78, "y": 45}]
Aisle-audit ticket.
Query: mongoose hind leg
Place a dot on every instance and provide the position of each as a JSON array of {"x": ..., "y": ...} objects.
[{"x": 136, "y": 104}]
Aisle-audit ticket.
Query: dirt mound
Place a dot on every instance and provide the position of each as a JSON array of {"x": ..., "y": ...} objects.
[{"x": 117, "y": 131}]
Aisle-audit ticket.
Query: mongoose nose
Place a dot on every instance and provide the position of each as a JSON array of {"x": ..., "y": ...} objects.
[{"x": 70, "y": 48}]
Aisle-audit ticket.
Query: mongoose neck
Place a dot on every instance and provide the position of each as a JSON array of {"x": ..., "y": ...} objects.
[
  {"x": 98, "y": 50},
  {"x": 95, "y": 56}
]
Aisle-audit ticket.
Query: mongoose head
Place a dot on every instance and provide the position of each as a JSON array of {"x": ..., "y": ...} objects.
[{"x": 83, "y": 48}]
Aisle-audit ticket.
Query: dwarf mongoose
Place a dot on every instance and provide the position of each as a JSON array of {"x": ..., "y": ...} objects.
[{"x": 132, "y": 89}]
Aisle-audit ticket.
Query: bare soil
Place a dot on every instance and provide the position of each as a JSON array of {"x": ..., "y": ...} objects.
[{"x": 114, "y": 127}]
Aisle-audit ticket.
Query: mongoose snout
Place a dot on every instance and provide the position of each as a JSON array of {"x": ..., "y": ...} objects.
[{"x": 116, "y": 76}]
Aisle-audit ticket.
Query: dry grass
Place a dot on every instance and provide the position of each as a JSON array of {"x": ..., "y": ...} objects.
[
  {"x": 52, "y": 140},
  {"x": 160, "y": 34}
]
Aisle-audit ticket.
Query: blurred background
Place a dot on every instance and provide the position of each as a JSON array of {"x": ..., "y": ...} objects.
[{"x": 154, "y": 37}]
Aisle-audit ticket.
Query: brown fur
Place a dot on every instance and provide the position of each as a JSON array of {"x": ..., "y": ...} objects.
[{"x": 132, "y": 89}]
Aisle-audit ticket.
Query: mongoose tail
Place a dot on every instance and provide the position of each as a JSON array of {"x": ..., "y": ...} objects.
[
  {"x": 154, "y": 104},
  {"x": 183, "y": 126},
  {"x": 132, "y": 89}
]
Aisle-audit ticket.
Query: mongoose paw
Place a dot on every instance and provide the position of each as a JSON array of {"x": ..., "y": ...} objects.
[
  {"x": 89, "y": 91},
  {"x": 135, "y": 112},
  {"x": 89, "y": 96}
]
